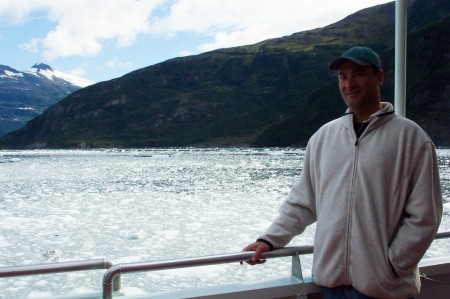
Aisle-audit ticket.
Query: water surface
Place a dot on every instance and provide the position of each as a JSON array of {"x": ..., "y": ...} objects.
[{"x": 141, "y": 205}]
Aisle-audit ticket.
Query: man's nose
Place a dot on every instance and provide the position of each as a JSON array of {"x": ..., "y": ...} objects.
[{"x": 349, "y": 82}]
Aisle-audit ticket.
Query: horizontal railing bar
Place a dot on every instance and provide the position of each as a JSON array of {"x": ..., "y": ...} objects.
[
  {"x": 115, "y": 270},
  {"x": 55, "y": 267},
  {"x": 95, "y": 264},
  {"x": 202, "y": 261},
  {"x": 207, "y": 260},
  {"x": 442, "y": 235}
]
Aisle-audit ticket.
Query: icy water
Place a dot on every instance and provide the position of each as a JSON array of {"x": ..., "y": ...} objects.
[{"x": 148, "y": 205}]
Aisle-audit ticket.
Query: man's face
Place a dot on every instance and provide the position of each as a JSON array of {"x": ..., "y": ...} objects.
[{"x": 359, "y": 85}]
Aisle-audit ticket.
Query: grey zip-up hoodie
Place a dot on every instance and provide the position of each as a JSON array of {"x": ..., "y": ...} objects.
[{"x": 377, "y": 202}]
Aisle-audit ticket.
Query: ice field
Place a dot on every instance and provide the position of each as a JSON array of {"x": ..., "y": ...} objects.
[{"x": 148, "y": 205}]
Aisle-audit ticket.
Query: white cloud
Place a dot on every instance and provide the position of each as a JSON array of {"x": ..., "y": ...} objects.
[
  {"x": 115, "y": 63},
  {"x": 14, "y": 12},
  {"x": 79, "y": 71},
  {"x": 86, "y": 27},
  {"x": 250, "y": 35},
  {"x": 31, "y": 46},
  {"x": 82, "y": 27},
  {"x": 237, "y": 22},
  {"x": 185, "y": 53}
]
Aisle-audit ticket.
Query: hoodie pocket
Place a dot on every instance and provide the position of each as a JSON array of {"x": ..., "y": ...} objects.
[
  {"x": 394, "y": 274},
  {"x": 388, "y": 271}
]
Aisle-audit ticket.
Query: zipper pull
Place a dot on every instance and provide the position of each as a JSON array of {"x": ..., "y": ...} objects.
[{"x": 357, "y": 141}]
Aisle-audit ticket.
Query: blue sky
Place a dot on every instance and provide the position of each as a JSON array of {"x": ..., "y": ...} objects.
[{"x": 104, "y": 39}]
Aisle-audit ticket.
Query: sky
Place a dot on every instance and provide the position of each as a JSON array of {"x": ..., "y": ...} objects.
[{"x": 104, "y": 39}]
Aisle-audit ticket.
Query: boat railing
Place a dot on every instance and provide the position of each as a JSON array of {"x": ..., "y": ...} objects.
[
  {"x": 112, "y": 276},
  {"x": 116, "y": 270},
  {"x": 61, "y": 267}
]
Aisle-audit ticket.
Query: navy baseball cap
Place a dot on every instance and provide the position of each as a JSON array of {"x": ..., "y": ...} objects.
[{"x": 359, "y": 55}]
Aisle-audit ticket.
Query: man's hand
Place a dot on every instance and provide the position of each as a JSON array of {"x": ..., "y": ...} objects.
[{"x": 259, "y": 248}]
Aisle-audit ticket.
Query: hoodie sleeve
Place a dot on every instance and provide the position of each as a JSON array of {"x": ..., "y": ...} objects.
[{"x": 297, "y": 212}]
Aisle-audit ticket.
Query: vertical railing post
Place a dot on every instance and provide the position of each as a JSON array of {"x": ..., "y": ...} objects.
[
  {"x": 400, "y": 56},
  {"x": 117, "y": 283},
  {"x": 297, "y": 267},
  {"x": 112, "y": 277}
]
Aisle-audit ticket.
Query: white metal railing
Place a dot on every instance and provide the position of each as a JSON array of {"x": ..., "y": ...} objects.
[
  {"x": 112, "y": 276},
  {"x": 96, "y": 264},
  {"x": 117, "y": 270},
  {"x": 442, "y": 235}
]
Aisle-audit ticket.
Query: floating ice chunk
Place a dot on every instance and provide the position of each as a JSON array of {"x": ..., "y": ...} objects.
[
  {"x": 52, "y": 255},
  {"x": 168, "y": 234},
  {"x": 81, "y": 291},
  {"x": 35, "y": 294},
  {"x": 10, "y": 160},
  {"x": 138, "y": 235},
  {"x": 127, "y": 201},
  {"x": 194, "y": 225},
  {"x": 41, "y": 283},
  {"x": 447, "y": 206},
  {"x": 128, "y": 259},
  {"x": 3, "y": 242},
  {"x": 129, "y": 291},
  {"x": 20, "y": 283}
]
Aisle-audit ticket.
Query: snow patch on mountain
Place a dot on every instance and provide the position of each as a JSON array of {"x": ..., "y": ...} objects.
[
  {"x": 75, "y": 80},
  {"x": 11, "y": 74},
  {"x": 41, "y": 69}
]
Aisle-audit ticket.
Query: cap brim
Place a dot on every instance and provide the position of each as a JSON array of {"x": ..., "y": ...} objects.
[{"x": 335, "y": 63}]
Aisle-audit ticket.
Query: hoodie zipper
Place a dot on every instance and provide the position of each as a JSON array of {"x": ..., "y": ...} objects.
[
  {"x": 351, "y": 200},
  {"x": 350, "y": 214}
]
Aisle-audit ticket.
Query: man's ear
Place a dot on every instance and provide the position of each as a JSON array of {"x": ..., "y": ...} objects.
[{"x": 380, "y": 77}]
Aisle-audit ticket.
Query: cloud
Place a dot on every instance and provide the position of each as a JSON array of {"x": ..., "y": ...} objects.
[
  {"x": 82, "y": 27},
  {"x": 31, "y": 46},
  {"x": 250, "y": 35},
  {"x": 115, "y": 63},
  {"x": 84, "y": 31},
  {"x": 79, "y": 71},
  {"x": 15, "y": 12},
  {"x": 86, "y": 27},
  {"x": 185, "y": 53},
  {"x": 236, "y": 22}
]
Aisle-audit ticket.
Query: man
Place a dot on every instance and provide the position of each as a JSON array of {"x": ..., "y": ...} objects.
[{"x": 370, "y": 180}]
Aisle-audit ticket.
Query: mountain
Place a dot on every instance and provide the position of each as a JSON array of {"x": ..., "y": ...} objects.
[
  {"x": 45, "y": 71},
  {"x": 26, "y": 94},
  {"x": 273, "y": 93},
  {"x": 428, "y": 83}
]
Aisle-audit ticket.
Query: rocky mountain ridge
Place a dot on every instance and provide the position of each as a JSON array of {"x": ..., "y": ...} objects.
[{"x": 26, "y": 94}]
